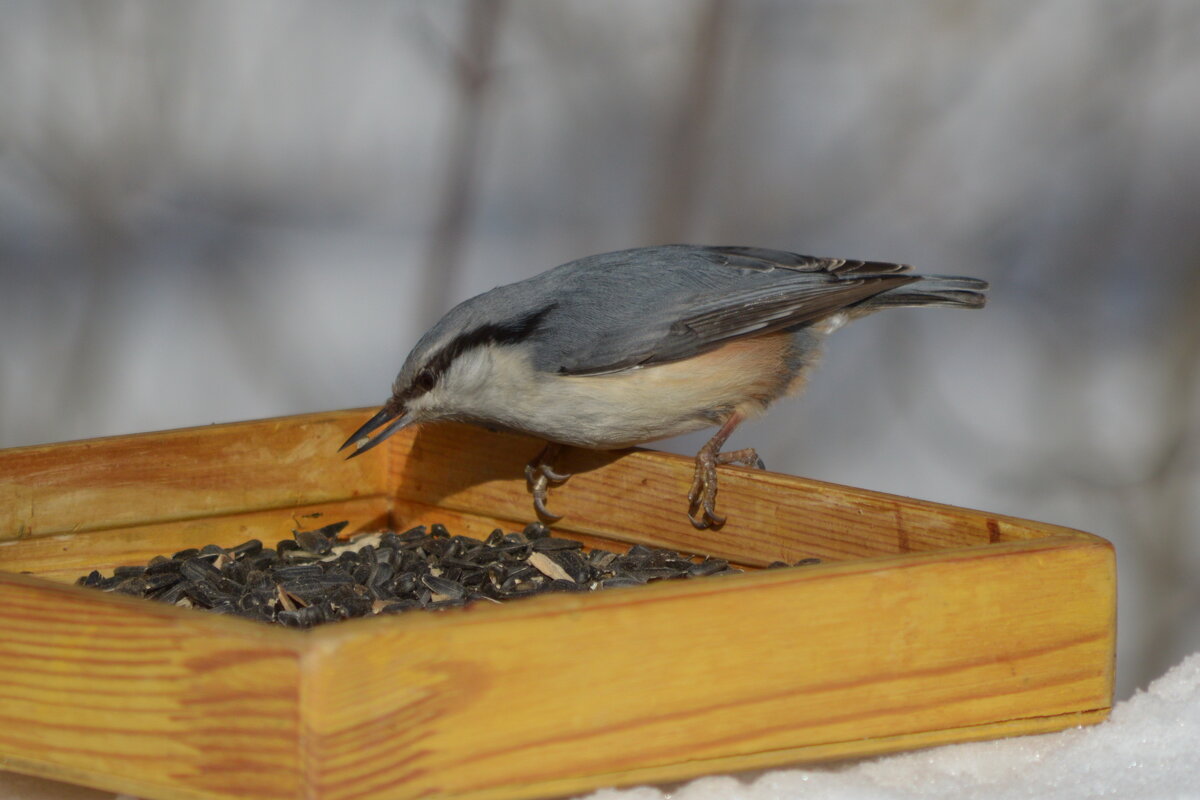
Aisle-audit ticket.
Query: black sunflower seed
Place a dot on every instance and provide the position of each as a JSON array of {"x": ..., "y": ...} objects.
[
  {"x": 315, "y": 542},
  {"x": 248, "y": 548},
  {"x": 313, "y": 578},
  {"x": 199, "y": 569},
  {"x": 451, "y": 589}
]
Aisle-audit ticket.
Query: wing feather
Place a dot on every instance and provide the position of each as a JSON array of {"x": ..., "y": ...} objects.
[
  {"x": 764, "y": 259},
  {"x": 732, "y": 293}
]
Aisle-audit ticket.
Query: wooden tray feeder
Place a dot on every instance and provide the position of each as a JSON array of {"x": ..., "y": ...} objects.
[{"x": 924, "y": 624}]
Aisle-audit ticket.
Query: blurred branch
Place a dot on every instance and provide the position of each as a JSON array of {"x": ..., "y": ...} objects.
[
  {"x": 473, "y": 74},
  {"x": 676, "y": 189}
]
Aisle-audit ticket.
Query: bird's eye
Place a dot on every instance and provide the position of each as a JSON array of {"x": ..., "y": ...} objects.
[{"x": 425, "y": 380}]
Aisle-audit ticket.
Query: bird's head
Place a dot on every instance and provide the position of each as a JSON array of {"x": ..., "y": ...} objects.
[{"x": 449, "y": 370}]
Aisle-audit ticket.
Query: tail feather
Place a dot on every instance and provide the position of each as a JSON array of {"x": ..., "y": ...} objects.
[{"x": 932, "y": 290}]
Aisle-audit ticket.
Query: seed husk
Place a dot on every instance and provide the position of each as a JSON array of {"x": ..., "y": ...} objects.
[
  {"x": 549, "y": 567},
  {"x": 709, "y": 566}
]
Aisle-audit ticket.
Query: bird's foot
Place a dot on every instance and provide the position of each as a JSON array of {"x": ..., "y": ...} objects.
[
  {"x": 540, "y": 476},
  {"x": 702, "y": 497}
]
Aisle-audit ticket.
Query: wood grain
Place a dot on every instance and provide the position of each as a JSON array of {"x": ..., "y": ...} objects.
[
  {"x": 145, "y": 698},
  {"x": 639, "y": 496},
  {"x": 177, "y": 475},
  {"x": 66, "y": 556}
]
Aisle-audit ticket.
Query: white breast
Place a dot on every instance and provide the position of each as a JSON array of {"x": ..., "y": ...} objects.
[{"x": 497, "y": 386}]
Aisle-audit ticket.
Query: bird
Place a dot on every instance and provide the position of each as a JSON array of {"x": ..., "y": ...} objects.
[{"x": 618, "y": 349}]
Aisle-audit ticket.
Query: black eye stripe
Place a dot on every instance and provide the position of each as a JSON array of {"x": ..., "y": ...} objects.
[{"x": 510, "y": 332}]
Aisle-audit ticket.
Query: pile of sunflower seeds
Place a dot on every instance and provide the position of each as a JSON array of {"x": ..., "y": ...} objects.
[{"x": 314, "y": 578}]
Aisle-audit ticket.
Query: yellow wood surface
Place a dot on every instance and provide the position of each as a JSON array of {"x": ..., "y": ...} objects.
[
  {"x": 571, "y": 692},
  {"x": 145, "y": 698},
  {"x": 927, "y": 624},
  {"x": 176, "y": 475},
  {"x": 66, "y": 556},
  {"x": 639, "y": 496}
]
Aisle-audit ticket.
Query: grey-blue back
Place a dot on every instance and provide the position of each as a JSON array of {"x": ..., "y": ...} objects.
[{"x": 652, "y": 305}]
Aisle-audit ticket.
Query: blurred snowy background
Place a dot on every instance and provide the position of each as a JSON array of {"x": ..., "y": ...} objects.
[{"x": 228, "y": 210}]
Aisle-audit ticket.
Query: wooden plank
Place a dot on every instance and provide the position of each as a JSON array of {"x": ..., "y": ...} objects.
[
  {"x": 195, "y": 472},
  {"x": 145, "y": 698},
  {"x": 65, "y": 556},
  {"x": 798, "y": 756},
  {"x": 572, "y": 692},
  {"x": 640, "y": 497}
]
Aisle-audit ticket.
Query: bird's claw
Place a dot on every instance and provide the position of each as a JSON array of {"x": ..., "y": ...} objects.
[
  {"x": 539, "y": 475},
  {"x": 702, "y": 497},
  {"x": 552, "y": 475},
  {"x": 539, "y": 489}
]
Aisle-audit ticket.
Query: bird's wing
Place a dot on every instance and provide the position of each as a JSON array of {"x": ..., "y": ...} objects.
[
  {"x": 733, "y": 292},
  {"x": 763, "y": 259}
]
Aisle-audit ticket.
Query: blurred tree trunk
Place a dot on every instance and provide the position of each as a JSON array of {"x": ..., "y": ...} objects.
[
  {"x": 473, "y": 78},
  {"x": 679, "y": 180}
]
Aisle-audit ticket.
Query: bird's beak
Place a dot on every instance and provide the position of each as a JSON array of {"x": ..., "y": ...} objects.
[{"x": 390, "y": 413}]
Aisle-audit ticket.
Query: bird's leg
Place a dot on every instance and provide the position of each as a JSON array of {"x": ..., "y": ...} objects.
[
  {"x": 702, "y": 497},
  {"x": 540, "y": 476}
]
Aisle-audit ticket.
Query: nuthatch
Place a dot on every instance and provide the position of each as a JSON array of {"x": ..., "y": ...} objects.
[{"x": 623, "y": 348}]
